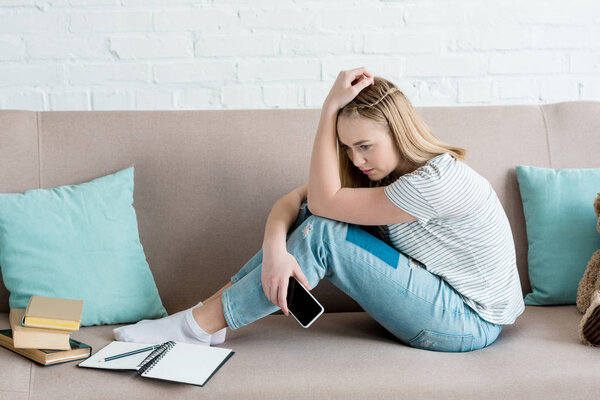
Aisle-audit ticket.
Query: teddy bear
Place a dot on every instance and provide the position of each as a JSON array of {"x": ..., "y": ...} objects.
[{"x": 588, "y": 294}]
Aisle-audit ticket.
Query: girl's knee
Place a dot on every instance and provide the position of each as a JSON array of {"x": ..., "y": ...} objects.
[
  {"x": 308, "y": 224},
  {"x": 315, "y": 223},
  {"x": 323, "y": 230},
  {"x": 318, "y": 220}
]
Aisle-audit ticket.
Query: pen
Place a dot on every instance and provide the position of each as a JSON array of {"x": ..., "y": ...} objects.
[{"x": 156, "y": 346}]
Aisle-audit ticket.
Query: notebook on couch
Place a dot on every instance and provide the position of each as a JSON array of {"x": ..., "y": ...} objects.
[{"x": 173, "y": 361}]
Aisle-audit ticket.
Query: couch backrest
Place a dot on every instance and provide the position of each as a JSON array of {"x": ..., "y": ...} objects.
[{"x": 206, "y": 180}]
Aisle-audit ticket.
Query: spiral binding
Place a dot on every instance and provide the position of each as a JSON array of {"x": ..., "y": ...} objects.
[
  {"x": 154, "y": 357},
  {"x": 153, "y": 354}
]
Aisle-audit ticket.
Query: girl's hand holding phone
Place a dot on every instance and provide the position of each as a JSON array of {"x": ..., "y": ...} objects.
[{"x": 277, "y": 267}]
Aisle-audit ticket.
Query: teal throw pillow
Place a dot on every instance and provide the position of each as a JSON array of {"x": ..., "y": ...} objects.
[
  {"x": 561, "y": 230},
  {"x": 79, "y": 242}
]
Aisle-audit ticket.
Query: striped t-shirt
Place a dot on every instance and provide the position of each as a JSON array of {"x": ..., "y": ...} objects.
[{"x": 462, "y": 235}]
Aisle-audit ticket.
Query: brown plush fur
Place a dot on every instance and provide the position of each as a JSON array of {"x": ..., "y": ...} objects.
[
  {"x": 589, "y": 283},
  {"x": 588, "y": 292},
  {"x": 595, "y": 302}
]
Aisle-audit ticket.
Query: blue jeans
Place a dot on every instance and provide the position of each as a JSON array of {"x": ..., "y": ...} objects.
[{"x": 419, "y": 308}]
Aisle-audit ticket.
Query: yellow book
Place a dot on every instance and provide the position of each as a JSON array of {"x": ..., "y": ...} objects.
[
  {"x": 36, "y": 338},
  {"x": 77, "y": 351},
  {"x": 53, "y": 313}
]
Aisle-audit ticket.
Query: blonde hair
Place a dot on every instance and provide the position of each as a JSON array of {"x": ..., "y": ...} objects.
[{"x": 386, "y": 105}]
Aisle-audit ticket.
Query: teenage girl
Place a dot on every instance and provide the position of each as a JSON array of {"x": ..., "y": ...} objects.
[{"x": 393, "y": 217}]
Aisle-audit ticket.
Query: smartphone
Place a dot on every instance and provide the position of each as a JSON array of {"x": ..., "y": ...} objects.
[{"x": 302, "y": 305}]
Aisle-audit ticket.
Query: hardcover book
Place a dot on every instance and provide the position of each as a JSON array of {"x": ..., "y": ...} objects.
[
  {"x": 78, "y": 351},
  {"x": 36, "y": 338},
  {"x": 53, "y": 313}
]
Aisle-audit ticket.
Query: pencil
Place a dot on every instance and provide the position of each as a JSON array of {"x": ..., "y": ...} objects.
[{"x": 130, "y": 353}]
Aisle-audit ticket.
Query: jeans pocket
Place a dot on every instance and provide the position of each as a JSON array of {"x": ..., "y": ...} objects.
[{"x": 437, "y": 341}]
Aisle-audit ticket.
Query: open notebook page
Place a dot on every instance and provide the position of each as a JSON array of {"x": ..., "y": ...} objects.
[
  {"x": 114, "y": 348},
  {"x": 189, "y": 363}
]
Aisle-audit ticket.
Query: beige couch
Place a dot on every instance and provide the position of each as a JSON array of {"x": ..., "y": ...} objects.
[{"x": 204, "y": 184}]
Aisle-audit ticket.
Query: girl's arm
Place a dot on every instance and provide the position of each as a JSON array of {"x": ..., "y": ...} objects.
[
  {"x": 281, "y": 218},
  {"x": 277, "y": 264},
  {"x": 324, "y": 177},
  {"x": 326, "y": 197}
]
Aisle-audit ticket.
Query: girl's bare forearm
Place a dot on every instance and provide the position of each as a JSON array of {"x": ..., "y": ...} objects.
[{"x": 280, "y": 220}]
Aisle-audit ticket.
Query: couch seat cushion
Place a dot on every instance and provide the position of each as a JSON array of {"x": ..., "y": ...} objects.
[{"x": 350, "y": 356}]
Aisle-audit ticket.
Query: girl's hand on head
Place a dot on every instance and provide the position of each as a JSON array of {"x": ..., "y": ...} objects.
[{"x": 347, "y": 86}]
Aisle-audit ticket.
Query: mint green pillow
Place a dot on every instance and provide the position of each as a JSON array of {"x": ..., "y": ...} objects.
[
  {"x": 561, "y": 230},
  {"x": 79, "y": 242}
]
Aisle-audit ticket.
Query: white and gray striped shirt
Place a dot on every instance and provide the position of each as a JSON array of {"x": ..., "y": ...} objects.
[{"x": 462, "y": 235}]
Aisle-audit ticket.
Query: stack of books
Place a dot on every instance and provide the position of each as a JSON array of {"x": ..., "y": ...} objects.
[{"x": 42, "y": 331}]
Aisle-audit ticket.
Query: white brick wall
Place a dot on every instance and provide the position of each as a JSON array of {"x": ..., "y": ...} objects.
[{"x": 234, "y": 54}]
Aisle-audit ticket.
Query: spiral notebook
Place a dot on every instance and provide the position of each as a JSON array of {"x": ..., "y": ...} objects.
[{"x": 172, "y": 361}]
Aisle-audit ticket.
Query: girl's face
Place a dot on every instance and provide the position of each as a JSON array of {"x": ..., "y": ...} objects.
[{"x": 370, "y": 147}]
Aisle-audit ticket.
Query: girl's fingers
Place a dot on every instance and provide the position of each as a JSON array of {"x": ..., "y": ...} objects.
[
  {"x": 282, "y": 297},
  {"x": 361, "y": 71},
  {"x": 357, "y": 79},
  {"x": 307, "y": 284},
  {"x": 273, "y": 297},
  {"x": 302, "y": 278},
  {"x": 365, "y": 82},
  {"x": 362, "y": 84}
]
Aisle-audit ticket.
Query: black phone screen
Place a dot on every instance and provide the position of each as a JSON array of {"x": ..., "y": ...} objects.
[{"x": 300, "y": 302}]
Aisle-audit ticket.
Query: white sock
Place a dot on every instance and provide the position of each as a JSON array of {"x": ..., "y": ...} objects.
[
  {"x": 180, "y": 327},
  {"x": 121, "y": 333},
  {"x": 218, "y": 337}
]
